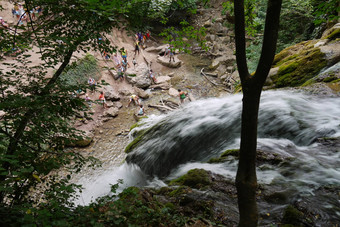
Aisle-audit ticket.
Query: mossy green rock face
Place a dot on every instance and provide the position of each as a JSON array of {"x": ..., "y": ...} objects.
[
  {"x": 195, "y": 178},
  {"x": 223, "y": 157},
  {"x": 292, "y": 217},
  {"x": 297, "y": 64}
]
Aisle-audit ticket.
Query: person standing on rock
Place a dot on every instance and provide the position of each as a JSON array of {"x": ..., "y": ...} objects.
[
  {"x": 172, "y": 53},
  {"x": 102, "y": 99},
  {"x": 153, "y": 78},
  {"x": 116, "y": 60},
  {"x": 182, "y": 95},
  {"x": 92, "y": 83},
  {"x": 125, "y": 64},
  {"x": 134, "y": 62},
  {"x": 137, "y": 47},
  {"x": 120, "y": 72},
  {"x": 124, "y": 53}
]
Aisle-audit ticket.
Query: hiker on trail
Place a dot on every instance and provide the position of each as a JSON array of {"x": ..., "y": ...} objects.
[
  {"x": 167, "y": 51},
  {"x": 125, "y": 64},
  {"x": 134, "y": 62},
  {"x": 134, "y": 99},
  {"x": 88, "y": 100},
  {"x": 124, "y": 53},
  {"x": 102, "y": 99},
  {"x": 3, "y": 23},
  {"x": 172, "y": 53},
  {"x": 120, "y": 72},
  {"x": 106, "y": 55},
  {"x": 92, "y": 83},
  {"x": 153, "y": 78},
  {"x": 141, "y": 111},
  {"x": 116, "y": 60},
  {"x": 137, "y": 49},
  {"x": 182, "y": 95},
  {"x": 148, "y": 34}
]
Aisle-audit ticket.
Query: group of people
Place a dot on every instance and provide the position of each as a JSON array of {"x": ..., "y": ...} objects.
[
  {"x": 133, "y": 98},
  {"x": 22, "y": 15}
]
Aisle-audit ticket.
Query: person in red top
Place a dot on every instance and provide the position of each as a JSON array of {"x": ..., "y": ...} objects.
[{"x": 102, "y": 99}]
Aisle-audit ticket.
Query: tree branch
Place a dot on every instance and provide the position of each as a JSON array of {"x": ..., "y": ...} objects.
[
  {"x": 240, "y": 40},
  {"x": 269, "y": 40}
]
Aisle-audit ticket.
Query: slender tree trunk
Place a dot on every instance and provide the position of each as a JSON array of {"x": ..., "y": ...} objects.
[{"x": 246, "y": 181}]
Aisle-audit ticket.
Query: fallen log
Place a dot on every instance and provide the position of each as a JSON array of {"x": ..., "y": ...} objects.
[
  {"x": 161, "y": 108},
  {"x": 205, "y": 76}
]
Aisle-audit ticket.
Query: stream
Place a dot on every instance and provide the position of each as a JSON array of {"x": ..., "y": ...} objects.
[{"x": 296, "y": 126}]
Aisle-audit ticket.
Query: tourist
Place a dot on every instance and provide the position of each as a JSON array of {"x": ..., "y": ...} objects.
[
  {"x": 134, "y": 62},
  {"x": 153, "y": 78},
  {"x": 88, "y": 100},
  {"x": 137, "y": 47},
  {"x": 134, "y": 99},
  {"x": 141, "y": 111},
  {"x": 120, "y": 72},
  {"x": 172, "y": 53},
  {"x": 125, "y": 64},
  {"x": 3, "y": 23},
  {"x": 124, "y": 53},
  {"x": 102, "y": 99},
  {"x": 92, "y": 83},
  {"x": 116, "y": 60},
  {"x": 182, "y": 95}
]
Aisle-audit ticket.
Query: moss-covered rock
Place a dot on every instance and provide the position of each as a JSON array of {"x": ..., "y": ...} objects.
[
  {"x": 298, "y": 66},
  {"x": 292, "y": 216},
  {"x": 332, "y": 33},
  {"x": 134, "y": 142},
  {"x": 224, "y": 155},
  {"x": 195, "y": 178}
]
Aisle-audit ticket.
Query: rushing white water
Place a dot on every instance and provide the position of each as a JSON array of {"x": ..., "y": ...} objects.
[{"x": 290, "y": 124}]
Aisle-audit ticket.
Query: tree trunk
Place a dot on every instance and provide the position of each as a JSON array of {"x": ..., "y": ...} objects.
[{"x": 246, "y": 181}]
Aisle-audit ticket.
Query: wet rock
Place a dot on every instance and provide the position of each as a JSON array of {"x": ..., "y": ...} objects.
[
  {"x": 163, "y": 86},
  {"x": 141, "y": 93},
  {"x": 110, "y": 94},
  {"x": 84, "y": 142},
  {"x": 111, "y": 112},
  {"x": 225, "y": 60},
  {"x": 171, "y": 74},
  {"x": 163, "y": 79},
  {"x": 207, "y": 24},
  {"x": 157, "y": 49},
  {"x": 165, "y": 61},
  {"x": 173, "y": 92},
  {"x": 139, "y": 76}
]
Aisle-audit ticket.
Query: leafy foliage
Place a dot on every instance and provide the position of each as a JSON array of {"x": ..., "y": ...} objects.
[{"x": 185, "y": 38}]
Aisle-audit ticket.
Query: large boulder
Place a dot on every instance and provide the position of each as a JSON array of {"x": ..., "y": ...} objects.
[
  {"x": 138, "y": 76},
  {"x": 163, "y": 79},
  {"x": 110, "y": 94},
  {"x": 83, "y": 142},
  {"x": 173, "y": 92},
  {"x": 223, "y": 60},
  {"x": 165, "y": 61},
  {"x": 111, "y": 112},
  {"x": 162, "y": 86},
  {"x": 141, "y": 93},
  {"x": 157, "y": 49}
]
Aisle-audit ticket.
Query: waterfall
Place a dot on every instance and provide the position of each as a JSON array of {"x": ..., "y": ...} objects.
[
  {"x": 205, "y": 128},
  {"x": 290, "y": 125}
]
